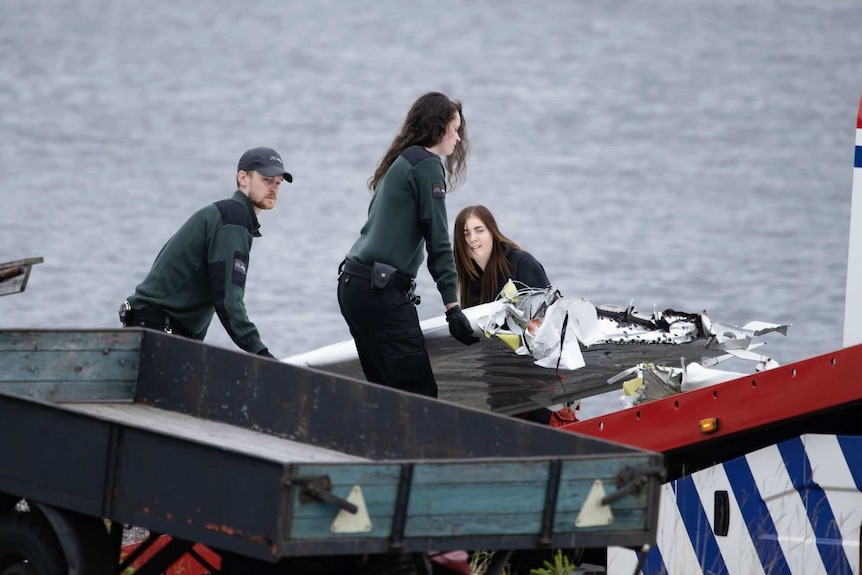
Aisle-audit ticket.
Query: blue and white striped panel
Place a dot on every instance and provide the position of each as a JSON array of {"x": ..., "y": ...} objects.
[
  {"x": 858, "y": 162},
  {"x": 853, "y": 302},
  {"x": 795, "y": 508}
]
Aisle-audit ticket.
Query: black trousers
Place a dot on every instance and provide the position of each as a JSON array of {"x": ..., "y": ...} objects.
[{"x": 385, "y": 327}]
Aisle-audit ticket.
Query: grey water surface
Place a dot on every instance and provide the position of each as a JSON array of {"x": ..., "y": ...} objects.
[{"x": 691, "y": 154}]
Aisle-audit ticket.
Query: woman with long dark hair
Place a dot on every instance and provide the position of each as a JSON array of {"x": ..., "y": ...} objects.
[
  {"x": 407, "y": 211},
  {"x": 485, "y": 259}
]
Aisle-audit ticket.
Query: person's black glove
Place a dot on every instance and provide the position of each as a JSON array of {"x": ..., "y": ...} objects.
[
  {"x": 459, "y": 326},
  {"x": 265, "y": 353}
]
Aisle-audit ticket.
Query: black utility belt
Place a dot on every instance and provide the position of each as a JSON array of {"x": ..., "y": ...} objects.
[
  {"x": 380, "y": 275},
  {"x": 154, "y": 318}
]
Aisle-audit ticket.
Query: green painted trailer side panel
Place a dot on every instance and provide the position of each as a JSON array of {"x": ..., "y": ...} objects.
[
  {"x": 71, "y": 366},
  {"x": 71, "y": 340},
  {"x": 379, "y": 483},
  {"x": 450, "y": 499}
]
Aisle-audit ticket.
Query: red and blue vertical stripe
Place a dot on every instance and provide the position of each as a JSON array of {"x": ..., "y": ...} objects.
[{"x": 858, "y": 162}]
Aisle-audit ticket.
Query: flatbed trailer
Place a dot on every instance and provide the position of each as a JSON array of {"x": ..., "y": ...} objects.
[{"x": 280, "y": 468}]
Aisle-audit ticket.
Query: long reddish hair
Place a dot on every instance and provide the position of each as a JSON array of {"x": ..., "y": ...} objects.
[
  {"x": 425, "y": 125},
  {"x": 497, "y": 268}
]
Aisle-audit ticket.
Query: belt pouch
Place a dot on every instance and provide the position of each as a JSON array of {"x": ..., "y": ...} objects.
[{"x": 381, "y": 276}]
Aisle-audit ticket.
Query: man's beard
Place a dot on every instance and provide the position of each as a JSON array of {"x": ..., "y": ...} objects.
[{"x": 264, "y": 203}]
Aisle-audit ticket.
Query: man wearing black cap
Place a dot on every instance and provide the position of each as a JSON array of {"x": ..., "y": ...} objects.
[{"x": 202, "y": 268}]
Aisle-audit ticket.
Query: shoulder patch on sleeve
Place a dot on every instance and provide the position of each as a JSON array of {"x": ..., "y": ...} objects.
[
  {"x": 240, "y": 268},
  {"x": 438, "y": 190}
]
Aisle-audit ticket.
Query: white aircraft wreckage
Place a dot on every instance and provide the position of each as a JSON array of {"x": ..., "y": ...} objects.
[{"x": 543, "y": 350}]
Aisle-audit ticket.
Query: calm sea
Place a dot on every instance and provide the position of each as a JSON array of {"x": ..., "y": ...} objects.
[{"x": 693, "y": 154}]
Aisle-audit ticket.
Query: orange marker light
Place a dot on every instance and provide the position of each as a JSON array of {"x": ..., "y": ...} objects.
[{"x": 708, "y": 425}]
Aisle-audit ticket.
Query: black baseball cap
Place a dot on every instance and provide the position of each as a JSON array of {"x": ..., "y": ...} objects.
[{"x": 265, "y": 161}]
